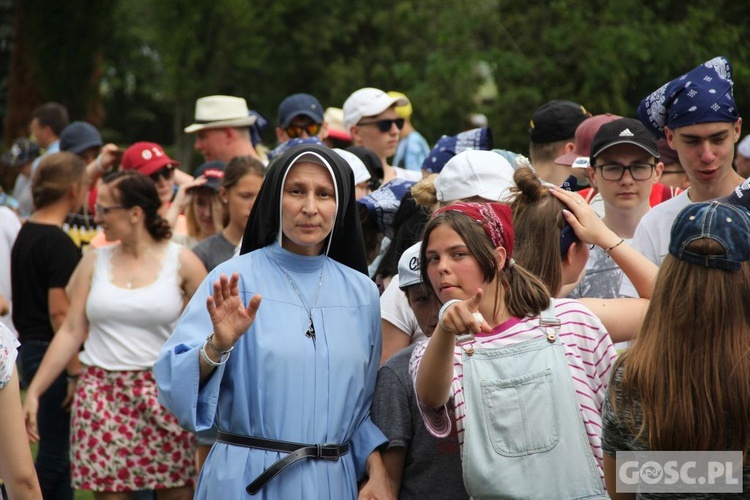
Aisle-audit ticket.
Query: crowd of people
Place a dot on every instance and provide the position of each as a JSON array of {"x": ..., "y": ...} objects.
[{"x": 353, "y": 314}]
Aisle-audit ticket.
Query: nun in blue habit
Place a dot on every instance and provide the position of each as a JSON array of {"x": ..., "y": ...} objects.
[{"x": 280, "y": 346}]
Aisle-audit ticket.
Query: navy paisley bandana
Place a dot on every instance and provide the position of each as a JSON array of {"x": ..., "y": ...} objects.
[{"x": 703, "y": 95}]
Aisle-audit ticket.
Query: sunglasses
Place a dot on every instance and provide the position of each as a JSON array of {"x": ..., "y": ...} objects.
[
  {"x": 165, "y": 173},
  {"x": 294, "y": 131},
  {"x": 385, "y": 125}
]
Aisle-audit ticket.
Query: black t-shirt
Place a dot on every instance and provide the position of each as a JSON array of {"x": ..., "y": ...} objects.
[{"x": 43, "y": 257}]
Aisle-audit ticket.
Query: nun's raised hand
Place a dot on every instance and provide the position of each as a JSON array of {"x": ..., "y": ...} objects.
[{"x": 229, "y": 316}]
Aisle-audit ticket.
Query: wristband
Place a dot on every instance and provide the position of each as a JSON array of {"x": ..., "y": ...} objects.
[
  {"x": 100, "y": 167},
  {"x": 210, "y": 361},
  {"x": 442, "y": 311}
]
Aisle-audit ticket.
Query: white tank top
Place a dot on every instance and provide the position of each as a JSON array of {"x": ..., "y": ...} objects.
[{"x": 127, "y": 327}]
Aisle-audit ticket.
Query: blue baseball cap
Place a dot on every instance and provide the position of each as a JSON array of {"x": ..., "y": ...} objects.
[
  {"x": 299, "y": 104},
  {"x": 80, "y": 136},
  {"x": 726, "y": 224}
]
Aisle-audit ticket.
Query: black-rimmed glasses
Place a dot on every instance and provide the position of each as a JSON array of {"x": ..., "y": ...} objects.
[
  {"x": 638, "y": 171},
  {"x": 101, "y": 211},
  {"x": 385, "y": 125}
]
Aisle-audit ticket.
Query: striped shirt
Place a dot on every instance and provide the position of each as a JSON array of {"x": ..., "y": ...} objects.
[{"x": 589, "y": 352}]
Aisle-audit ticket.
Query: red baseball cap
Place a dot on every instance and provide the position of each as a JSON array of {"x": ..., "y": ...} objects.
[
  {"x": 146, "y": 158},
  {"x": 579, "y": 157}
]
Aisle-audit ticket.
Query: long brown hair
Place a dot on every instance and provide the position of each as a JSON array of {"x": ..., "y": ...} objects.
[
  {"x": 523, "y": 293},
  {"x": 688, "y": 367},
  {"x": 538, "y": 221}
]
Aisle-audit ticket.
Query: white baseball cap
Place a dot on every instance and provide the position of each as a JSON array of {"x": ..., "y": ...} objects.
[
  {"x": 361, "y": 174},
  {"x": 475, "y": 173},
  {"x": 743, "y": 147},
  {"x": 368, "y": 102},
  {"x": 408, "y": 267}
]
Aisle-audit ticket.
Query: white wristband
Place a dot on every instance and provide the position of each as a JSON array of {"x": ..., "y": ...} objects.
[
  {"x": 442, "y": 311},
  {"x": 100, "y": 166}
]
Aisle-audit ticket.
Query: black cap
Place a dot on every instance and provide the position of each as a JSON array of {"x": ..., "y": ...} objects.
[
  {"x": 213, "y": 171},
  {"x": 22, "y": 151},
  {"x": 556, "y": 121},
  {"x": 623, "y": 131}
]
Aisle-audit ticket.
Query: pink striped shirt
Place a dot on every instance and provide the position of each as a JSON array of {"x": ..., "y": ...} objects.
[{"x": 589, "y": 352}]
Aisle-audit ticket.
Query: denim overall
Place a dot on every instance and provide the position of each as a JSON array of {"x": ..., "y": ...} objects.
[{"x": 524, "y": 436}]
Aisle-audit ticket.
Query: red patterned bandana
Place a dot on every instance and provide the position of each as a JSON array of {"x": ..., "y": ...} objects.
[{"x": 495, "y": 218}]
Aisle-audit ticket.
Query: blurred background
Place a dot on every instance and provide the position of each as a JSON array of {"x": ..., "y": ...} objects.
[{"x": 134, "y": 68}]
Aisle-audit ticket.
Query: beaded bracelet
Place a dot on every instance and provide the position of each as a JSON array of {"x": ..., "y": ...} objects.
[
  {"x": 210, "y": 341},
  {"x": 210, "y": 361},
  {"x": 622, "y": 240}
]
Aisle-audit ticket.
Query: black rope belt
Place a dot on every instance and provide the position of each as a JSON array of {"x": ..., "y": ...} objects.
[{"x": 297, "y": 452}]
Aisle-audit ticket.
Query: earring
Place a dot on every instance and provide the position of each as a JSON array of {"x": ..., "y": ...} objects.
[{"x": 224, "y": 201}]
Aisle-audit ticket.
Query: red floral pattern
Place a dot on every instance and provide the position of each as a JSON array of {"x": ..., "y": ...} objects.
[{"x": 122, "y": 439}]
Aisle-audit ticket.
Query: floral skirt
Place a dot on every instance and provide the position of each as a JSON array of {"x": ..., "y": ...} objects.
[{"x": 122, "y": 439}]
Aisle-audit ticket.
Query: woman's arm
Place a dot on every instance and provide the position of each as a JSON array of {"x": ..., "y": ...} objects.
[
  {"x": 183, "y": 198},
  {"x": 66, "y": 342},
  {"x": 591, "y": 229},
  {"x": 435, "y": 373},
  {"x": 16, "y": 464},
  {"x": 378, "y": 485},
  {"x": 58, "y": 309},
  {"x": 192, "y": 273},
  {"x": 621, "y": 317}
]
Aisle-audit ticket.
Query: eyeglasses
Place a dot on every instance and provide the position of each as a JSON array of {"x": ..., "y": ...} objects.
[
  {"x": 294, "y": 131},
  {"x": 102, "y": 211},
  {"x": 163, "y": 173},
  {"x": 385, "y": 125},
  {"x": 638, "y": 171}
]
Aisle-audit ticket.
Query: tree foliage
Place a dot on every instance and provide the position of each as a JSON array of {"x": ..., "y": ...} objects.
[{"x": 158, "y": 57}]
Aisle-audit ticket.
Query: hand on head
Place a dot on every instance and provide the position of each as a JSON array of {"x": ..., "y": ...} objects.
[{"x": 585, "y": 222}]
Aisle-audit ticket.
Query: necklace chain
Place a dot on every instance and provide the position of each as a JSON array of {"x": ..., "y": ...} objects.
[{"x": 310, "y": 333}]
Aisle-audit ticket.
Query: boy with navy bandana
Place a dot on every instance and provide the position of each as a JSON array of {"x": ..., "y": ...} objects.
[{"x": 697, "y": 115}]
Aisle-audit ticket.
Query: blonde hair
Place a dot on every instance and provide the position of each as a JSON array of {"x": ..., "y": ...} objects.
[
  {"x": 194, "y": 228},
  {"x": 688, "y": 366},
  {"x": 424, "y": 192}
]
